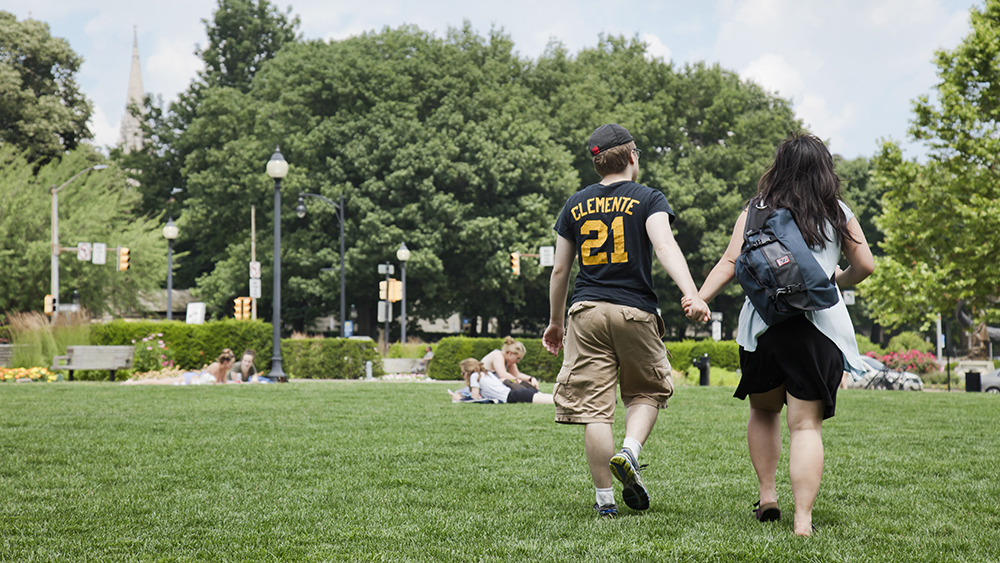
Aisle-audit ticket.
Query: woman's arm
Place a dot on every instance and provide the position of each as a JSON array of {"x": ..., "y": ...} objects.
[
  {"x": 859, "y": 257},
  {"x": 725, "y": 270}
]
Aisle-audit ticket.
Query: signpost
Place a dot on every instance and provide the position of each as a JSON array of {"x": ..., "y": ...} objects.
[
  {"x": 255, "y": 281},
  {"x": 195, "y": 313},
  {"x": 547, "y": 255},
  {"x": 83, "y": 251},
  {"x": 716, "y": 326}
]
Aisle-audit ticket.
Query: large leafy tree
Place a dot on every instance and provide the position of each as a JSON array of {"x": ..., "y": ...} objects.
[
  {"x": 431, "y": 141},
  {"x": 98, "y": 207},
  {"x": 43, "y": 112},
  {"x": 942, "y": 219}
]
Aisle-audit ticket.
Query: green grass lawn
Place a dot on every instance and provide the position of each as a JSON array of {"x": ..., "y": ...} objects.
[{"x": 379, "y": 471}]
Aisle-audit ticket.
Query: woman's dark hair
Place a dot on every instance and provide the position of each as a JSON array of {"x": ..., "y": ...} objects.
[{"x": 801, "y": 179}]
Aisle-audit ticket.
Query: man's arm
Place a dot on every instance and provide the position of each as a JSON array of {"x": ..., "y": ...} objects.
[
  {"x": 558, "y": 287},
  {"x": 672, "y": 260}
]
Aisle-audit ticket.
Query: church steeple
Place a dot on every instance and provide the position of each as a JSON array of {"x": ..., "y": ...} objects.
[{"x": 131, "y": 132}]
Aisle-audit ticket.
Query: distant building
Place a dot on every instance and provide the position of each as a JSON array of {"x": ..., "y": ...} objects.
[{"x": 131, "y": 132}]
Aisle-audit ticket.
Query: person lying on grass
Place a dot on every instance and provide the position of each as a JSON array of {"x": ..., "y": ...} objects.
[
  {"x": 211, "y": 374},
  {"x": 503, "y": 363},
  {"x": 486, "y": 385},
  {"x": 245, "y": 372}
]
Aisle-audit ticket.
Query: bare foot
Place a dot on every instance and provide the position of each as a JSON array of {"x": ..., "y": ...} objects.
[{"x": 803, "y": 529}]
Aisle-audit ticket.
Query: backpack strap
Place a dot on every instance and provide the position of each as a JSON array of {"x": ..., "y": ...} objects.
[{"x": 756, "y": 217}]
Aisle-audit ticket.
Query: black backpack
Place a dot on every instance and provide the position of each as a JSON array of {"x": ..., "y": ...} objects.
[{"x": 778, "y": 271}]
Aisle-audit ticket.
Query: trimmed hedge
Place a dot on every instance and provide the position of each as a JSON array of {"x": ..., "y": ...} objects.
[
  {"x": 197, "y": 345},
  {"x": 723, "y": 354},
  {"x": 539, "y": 363},
  {"x": 329, "y": 358},
  {"x": 194, "y": 345}
]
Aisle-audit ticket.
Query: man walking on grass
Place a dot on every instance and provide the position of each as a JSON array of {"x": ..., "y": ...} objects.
[{"x": 614, "y": 329}]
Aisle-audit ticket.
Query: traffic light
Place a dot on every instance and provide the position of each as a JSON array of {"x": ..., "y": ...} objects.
[
  {"x": 515, "y": 263},
  {"x": 395, "y": 292},
  {"x": 122, "y": 259},
  {"x": 241, "y": 308},
  {"x": 49, "y": 304}
]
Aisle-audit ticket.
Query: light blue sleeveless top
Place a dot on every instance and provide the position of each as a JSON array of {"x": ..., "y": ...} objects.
[{"x": 834, "y": 322}]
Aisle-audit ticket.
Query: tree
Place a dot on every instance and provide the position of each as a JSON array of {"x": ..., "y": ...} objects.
[
  {"x": 43, "y": 111},
  {"x": 97, "y": 207},
  {"x": 942, "y": 219}
]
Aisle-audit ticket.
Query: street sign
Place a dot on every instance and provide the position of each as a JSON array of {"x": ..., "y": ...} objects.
[
  {"x": 255, "y": 288},
  {"x": 717, "y": 316},
  {"x": 83, "y": 250},
  {"x": 100, "y": 256},
  {"x": 348, "y": 329},
  {"x": 195, "y": 313},
  {"x": 69, "y": 308},
  {"x": 386, "y": 269},
  {"x": 547, "y": 255},
  {"x": 254, "y": 271},
  {"x": 848, "y": 296},
  {"x": 716, "y": 330},
  {"x": 383, "y": 311}
]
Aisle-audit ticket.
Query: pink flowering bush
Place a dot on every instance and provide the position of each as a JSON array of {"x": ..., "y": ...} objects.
[
  {"x": 915, "y": 361},
  {"x": 152, "y": 353}
]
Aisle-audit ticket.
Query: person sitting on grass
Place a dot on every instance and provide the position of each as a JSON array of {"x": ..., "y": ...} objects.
[
  {"x": 486, "y": 385},
  {"x": 212, "y": 374},
  {"x": 503, "y": 363}
]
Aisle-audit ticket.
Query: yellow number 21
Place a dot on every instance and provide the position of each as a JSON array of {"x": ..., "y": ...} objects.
[{"x": 599, "y": 227}]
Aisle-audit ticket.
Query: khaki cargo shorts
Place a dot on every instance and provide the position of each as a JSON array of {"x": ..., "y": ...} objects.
[{"x": 608, "y": 344}]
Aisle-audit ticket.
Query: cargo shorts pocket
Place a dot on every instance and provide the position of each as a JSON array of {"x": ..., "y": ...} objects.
[
  {"x": 581, "y": 306},
  {"x": 638, "y": 315}
]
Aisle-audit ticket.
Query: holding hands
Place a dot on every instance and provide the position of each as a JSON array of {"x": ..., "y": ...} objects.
[{"x": 695, "y": 308}]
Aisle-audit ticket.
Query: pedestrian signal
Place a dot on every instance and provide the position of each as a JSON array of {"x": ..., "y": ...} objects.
[
  {"x": 49, "y": 304},
  {"x": 382, "y": 291},
  {"x": 122, "y": 259},
  {"x": 515, "y": 263}
]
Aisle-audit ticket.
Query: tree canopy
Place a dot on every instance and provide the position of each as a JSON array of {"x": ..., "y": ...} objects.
[
  {"x": 456, "y": 146},
  {"x": 43, "y": 112},
  {"x": 941, "y": 219}
]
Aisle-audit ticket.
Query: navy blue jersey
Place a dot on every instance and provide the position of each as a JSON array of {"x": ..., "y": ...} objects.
[{"x": 607, "y": 226}]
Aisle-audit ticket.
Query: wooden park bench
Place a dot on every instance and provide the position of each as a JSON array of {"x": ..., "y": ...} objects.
[{"x": 94, "y": 357}]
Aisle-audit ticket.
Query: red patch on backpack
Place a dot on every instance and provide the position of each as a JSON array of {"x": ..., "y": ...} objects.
[{"x": 782, "y": 261}]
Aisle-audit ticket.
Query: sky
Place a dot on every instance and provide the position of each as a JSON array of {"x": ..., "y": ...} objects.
[{"x": 850, "y": 67}]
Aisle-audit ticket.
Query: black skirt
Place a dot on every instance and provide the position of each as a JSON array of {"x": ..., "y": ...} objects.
[{"x": 793, "y": 353}]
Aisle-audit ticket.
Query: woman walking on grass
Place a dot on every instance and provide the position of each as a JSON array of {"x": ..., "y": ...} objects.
[{"x": 800, "y": 361}]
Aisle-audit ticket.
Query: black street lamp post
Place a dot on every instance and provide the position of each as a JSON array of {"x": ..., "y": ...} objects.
[
  {"x": 300, "y": 211},
  {"x": 277, "y": 169}
]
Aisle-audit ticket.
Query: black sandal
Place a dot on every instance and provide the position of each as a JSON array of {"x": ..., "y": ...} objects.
[{"x": 767, "y": 512}]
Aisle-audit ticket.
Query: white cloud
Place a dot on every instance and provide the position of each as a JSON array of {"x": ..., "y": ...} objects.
[
  {"x": 105, "y": 132},
  {"x": 655, "y": 49},
  {"x": 171, "y": 67},
  {"x": 774, "y": 73}
]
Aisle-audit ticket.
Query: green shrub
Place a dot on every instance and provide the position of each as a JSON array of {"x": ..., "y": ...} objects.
[
  {"x": 537, "y": 361},
  {"x": 909, "y": 341},
  {"x": 329, "y": 358},
  {"x": 193, "y": 346},
  {"x": 724, "y": 354},
  {"x": 397, "y": 350}
]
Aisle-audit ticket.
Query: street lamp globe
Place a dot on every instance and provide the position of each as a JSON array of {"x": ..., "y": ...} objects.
[
  {"x": 277, "y": 168},
  {"x": 300, "y": 208},
  {"x": 170, "y": 231},
  {"x": 403, "y": 254}
]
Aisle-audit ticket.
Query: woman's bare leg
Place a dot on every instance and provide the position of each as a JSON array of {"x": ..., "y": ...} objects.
[
  {"x": 805, "y": 459},
  {"x": 764, "y": 440}
]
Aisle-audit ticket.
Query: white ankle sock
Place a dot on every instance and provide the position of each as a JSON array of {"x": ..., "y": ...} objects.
[
  {"x": 605, "y": 496},
  {"x": 633, "y": 445}
]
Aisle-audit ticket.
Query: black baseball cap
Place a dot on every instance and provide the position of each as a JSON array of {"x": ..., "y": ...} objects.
[{"x": 606, "y": 137}]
